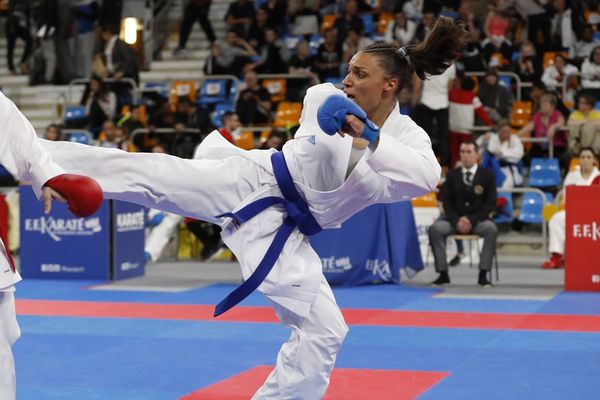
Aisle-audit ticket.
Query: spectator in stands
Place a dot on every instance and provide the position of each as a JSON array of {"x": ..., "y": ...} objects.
[
  {"x": 538, "y": 89},
  {"x": 231, "y": 126},
  {"x": 276, "y": 12},
  {"x": 469, "y": 200},
  {"x": 528, "y": 66},
  {"x": 590, "y": 70},
  {"x": 194, "y": 10},
  {"x": 47, "y": 27},
  {"x": 417, "y": 9},
  {"x": 463, "y": 105},
  {"x": 229, "y": 55},
  {"x": 100, "y": 103},
  {"x": 53, "y": 133},
  {"x": 254, "y": 104},
  {"x": 349, "y": 20},
  {"x": 583, "y": 176},
  {"x": 583, "y": 48},
  {"x": 401, "y": 29},
  {"x": 132, "y": 121},
  {"x": 433, "y": 109},
  {"x": 17, "y": 26},
  {"x": 271, "y": 59},
  {"x": 256, "y": 32},
  {"x": 303, "y": 63},
  {"x": 240, "y": 15},
  {"x": 275, "y": 140},
  {"x": 329, "y": 56},
  {"x": 545, "y": 124},
  {"x": 555, "y": 73},
  {"x": 584, "y": 125},
  {"x": 508, "y": 151},
  {"x": 563, "y": 36},
  {"x": 354, "y": 43},
  {"x": 108, "y": 136},
  {"x": 424, "y": 26},
  {"x": 496, "y": 29},
  {"x": 190, "y": 123},
  {"x": 86, "y": 14},
  {"x": 496, "y": 99},
  {"x": 304, "y": 17},
  {"x": 538, "y": 22}
]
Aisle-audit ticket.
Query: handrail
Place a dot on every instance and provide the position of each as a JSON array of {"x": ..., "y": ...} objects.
[
  {"x": 483, "y": 128},
  {"x": 513, "y": 75},
  {"x": 77, "y": 81},
  {"x": 544, "y": 204}
]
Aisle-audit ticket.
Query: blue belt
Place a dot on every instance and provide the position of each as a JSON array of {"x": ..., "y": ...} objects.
[{"x": 298, "y": 215}]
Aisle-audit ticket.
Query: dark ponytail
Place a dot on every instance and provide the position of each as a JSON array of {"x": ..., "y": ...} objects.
[{"x": 432, "y": 56}]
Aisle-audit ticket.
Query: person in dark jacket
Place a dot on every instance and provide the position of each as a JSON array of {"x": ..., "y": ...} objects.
[{"x": 469, "y": 201}]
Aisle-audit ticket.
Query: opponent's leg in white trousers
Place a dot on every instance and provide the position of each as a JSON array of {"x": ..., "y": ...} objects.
[
  {"x": 9, "y": 333},
  {"x": 161, "y": 234},
  {"x": 305, "y": 361},
  {"x": 556, "y": 228}
]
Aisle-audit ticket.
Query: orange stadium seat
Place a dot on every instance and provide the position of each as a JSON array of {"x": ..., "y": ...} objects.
[
  {"x": 427, "y": 200},
  {"x": 574, "y": 163},
  {"x": 521, "y": 113},
  {"x": 277, "y": 89},
  {"x": 182, "y": 88},
  {"x": 246, "y": 140},
  {"x": 549, "y": 57},
  {"x": 328, "y": 21},
  {"x": 384, "y": 20},
  {"x": 287, "y": 114}
]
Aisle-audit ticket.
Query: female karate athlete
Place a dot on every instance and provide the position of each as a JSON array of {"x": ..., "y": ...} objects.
[
  {"x": 319, "y": 180},
  {"x": 22, "y": 155}
]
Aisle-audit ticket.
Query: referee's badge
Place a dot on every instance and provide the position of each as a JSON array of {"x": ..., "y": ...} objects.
[{"x": 478, "y": 189}]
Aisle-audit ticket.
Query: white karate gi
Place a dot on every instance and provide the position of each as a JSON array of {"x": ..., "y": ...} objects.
[
  {"x": 512, "y": 152},
  {"x": 160, "y": 235},
  {"x": 226, "y": 178},
  {"x": 22, "y": 155},
  {"x": 557, "y": 224}
]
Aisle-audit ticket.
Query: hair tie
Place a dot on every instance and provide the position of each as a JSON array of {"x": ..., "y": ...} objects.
[{"x": 404, "y": 53}]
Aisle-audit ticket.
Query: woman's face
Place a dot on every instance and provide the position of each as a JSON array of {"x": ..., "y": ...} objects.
[
  {"x": 546, "y": 107},
  {"x": 586, "y": 160},
  {"x": 596, "y": 56},
  {"x": 366, "y": 82},
  {"x": 504, "y": 133},
  {"x": 584, "y": 106}
]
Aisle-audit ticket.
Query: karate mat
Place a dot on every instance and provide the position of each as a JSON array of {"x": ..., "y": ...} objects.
[{"x": 404, "y": 342}]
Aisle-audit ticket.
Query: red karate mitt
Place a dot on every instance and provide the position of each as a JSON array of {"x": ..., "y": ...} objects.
[{"x": 83, "y": 194}]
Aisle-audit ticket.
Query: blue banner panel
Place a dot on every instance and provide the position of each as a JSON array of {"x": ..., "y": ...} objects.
[
  {"x": 128, "y": 240},
  {"x": 60, "y": 245},
  {"x": 371, "y": 247}
]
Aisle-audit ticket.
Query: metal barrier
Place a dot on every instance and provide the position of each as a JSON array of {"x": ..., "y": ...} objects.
[
  {"x": 512, "y": 75},
  {"x": 79, "y": 81},
  {"x": 527, "y": 239},
  {"x": 523, "y": 139}
]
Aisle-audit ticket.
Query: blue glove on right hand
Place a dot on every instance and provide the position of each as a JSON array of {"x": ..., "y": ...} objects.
[{"x": 331, "y": 116}]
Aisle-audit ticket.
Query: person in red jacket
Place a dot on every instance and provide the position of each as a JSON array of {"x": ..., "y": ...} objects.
[{"x": 464, "y": 104}]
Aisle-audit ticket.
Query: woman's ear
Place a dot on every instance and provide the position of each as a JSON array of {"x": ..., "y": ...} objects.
[{"x": 391, "y": 85}]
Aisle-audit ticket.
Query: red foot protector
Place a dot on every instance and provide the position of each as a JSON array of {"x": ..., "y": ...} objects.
[{"x": 345, "y": 384}]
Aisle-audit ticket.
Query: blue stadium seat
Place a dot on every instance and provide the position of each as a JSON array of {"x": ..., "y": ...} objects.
[
  {"x": 220, "y": 109},
  {"x": 159, "y": 87},
  {"x": 532, "y": 207},
  {"x": 314, "y": 43},
  {"x": 368, "y": 22},
  {"x": 596, "y": 37},
  {"x": 505, "y": 81},
  {"x": 507, "y": 215},
  {"x": 82, "y": 137},
  {"x": 212, "y": 91},
  {"x": 74, "y": 113},
  {"x": 544, "y": 172}
]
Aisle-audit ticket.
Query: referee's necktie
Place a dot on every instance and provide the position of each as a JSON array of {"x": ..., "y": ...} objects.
[{"x": 468, "y": 178}]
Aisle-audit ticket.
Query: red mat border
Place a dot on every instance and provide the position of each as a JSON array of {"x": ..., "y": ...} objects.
[{"x": 367, "y": 317}]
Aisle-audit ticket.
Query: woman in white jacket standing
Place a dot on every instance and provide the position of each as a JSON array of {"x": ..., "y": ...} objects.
[{"x": 319, "y": 180}]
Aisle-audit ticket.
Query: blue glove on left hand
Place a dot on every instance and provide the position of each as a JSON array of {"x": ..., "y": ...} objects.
[{"x": 331, "y": 116}]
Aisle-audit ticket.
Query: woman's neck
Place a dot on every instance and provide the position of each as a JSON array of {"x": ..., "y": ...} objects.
[
  {"x": 381, "y": 113},
  {"x": 585, "y": 173}
]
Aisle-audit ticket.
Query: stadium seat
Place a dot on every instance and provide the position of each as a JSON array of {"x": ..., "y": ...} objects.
[
  {"x": 505, "y": 81},
  {"x": 574, "y": 163},
  {"x": 384, "y": 20},
  {"x": 212, "y": 91},
  {"x": 287, "y": 114},
  {"x": 182, "y": 89},
  {"x": 532, "y": 206},
  {"x": 549, "y": 57},
  {"x": 328, "y": 21},
  {"x": 520, "y": 113},
  {"x": 368, "y": 23},
  {"x": 220, "y": 109},
  {"x": 314, "y": 43},
  {"x": 544, "y": 172},
  {"x": 246, "y": 140},
  {"x": 82, "y": 137},
  {"x": 507, "y": 215},
  {"x": 427, "y": 200},
  {"x": 276, "y": 88},
  {"x": 74, "y": 113}
]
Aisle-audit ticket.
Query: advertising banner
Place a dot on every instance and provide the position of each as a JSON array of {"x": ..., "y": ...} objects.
[{"x": 127, "y": 240}]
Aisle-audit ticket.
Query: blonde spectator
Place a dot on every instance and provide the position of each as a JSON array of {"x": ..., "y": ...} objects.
[
  {"x": 508, "y": 150},
  {"x": 584, "y": 125},
  {"x": 545, "y": 124}
]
